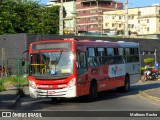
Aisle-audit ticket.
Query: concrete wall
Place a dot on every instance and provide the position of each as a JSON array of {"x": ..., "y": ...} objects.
[{"x": 16, "y": 44}]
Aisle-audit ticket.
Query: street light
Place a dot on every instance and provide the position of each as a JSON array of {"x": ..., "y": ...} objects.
[
  {"x": 100, "y": 21},
  {"x": 126, "y": 18},
  {"x": 74, "y": 18}
]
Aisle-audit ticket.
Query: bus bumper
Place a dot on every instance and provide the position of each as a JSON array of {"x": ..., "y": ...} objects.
[{"x": 68, "y": 92}]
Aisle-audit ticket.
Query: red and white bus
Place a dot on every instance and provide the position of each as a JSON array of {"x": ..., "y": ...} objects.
[{"x": 71, "y": 68}]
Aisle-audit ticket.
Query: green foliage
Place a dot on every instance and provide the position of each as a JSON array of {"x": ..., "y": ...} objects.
[
  {"x": 2, "y": 88},
  {"x": 149, "y": 60},
  {"x": 13, "y": 81},
  {"x": 27, "y": 16}
]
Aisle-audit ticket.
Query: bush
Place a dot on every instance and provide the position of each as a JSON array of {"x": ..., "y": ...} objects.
[
  {"x": 2, "y": 88},
  {"x": 15, "y": 81}
]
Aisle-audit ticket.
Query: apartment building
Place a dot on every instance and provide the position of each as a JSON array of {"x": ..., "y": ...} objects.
[
  {"x": 70, "y": 19},
  {"x": 90, "y": 14},
  {"x": 141, "y": 21}
]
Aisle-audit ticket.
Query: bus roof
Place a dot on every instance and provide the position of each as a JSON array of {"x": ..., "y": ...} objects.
[
  {"x": 92, "y": 42},
  {"x": 109, "y": 43}
]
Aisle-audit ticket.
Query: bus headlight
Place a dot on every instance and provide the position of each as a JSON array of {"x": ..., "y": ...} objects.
[
  {"x": 72, "y": 82},
  {"x": 32, "y": 84}
]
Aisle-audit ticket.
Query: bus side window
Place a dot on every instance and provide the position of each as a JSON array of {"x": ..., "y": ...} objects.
[{"x": 81, "y": 62}]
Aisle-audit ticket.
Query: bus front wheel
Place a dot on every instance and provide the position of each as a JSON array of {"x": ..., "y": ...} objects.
[{"x": 93, "y": 91}]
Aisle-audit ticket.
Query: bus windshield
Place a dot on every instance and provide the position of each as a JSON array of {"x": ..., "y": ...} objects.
[{"x": 51, "y": 64}]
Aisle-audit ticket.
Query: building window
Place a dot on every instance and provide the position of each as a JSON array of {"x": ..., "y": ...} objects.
[
  {"x": 147, "y": 20},
  {"x": 93, "y": 11},
  {"x": 106, "y": 17},
  {"x": 132, "y": 26},
  {"x": 112, "y": 24},
  {"x": 120, "y": 25},
  {"x": 147, "y": 28},
  {"x": 93, "y": 18},
  {"x": 129, "y": 25},
  {"x": 106, "y": 24},
  {"x": 120, "y": 17},
  {"x": 99, "y": 18},
  {"x": 78, "y": 27},
  {"x": 139, "y": 21},
  {"x": 91, "y": 26},
  {"x": 78, "y": 19},
  {"x": 139, "y": 13},
  {"x": 129, "y": 17}
]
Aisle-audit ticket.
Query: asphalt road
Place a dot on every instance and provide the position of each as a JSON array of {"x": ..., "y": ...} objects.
[{"x": 107, "y": 101}]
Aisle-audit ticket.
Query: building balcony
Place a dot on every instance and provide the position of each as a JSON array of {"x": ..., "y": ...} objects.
[
  {"x": 96, "y": 0},
  {"x": 148, "y": 16}
]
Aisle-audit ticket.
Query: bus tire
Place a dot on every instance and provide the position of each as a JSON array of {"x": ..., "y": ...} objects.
[
  {"x": 93, "y": 91},
  {"x": 126, "y": 86}
]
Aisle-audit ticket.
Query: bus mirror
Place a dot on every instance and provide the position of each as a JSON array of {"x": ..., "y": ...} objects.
[{"x": 23, "y": 61}]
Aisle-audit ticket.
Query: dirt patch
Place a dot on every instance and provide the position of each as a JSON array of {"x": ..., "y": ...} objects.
[{"x": 9, "y": 84}]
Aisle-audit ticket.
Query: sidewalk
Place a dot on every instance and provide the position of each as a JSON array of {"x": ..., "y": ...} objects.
[
  {"x": 152, "y": 94},
  {"x": 9, "y": 98}
]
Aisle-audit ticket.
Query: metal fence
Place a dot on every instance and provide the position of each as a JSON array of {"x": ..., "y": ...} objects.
[{"x": 13, "y": 71}]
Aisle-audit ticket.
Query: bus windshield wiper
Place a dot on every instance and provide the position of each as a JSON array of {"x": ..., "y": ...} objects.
[
  {"x": 45, "y": 62},
  {"x": 59, "y": 56},
  {"x": 56, "y": 61}
]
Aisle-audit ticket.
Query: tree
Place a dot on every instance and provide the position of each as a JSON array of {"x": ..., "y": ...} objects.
[{"x": 27, "y": 16}]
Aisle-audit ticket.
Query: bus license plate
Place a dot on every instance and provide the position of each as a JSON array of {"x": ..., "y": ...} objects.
[{"x": 51, "y": 92}]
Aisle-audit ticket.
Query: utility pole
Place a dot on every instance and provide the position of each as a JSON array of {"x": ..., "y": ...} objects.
[
  {"x": 3, "y": 49},
  {"x": 61, "y": 18},
  {"x": 126, "y": 18},
  {"x": 74, "y": 18},
  {"x": 155, "y": 55}
]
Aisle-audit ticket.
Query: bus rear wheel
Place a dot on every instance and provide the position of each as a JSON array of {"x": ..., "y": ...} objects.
[{"x": 126, "y": 86}]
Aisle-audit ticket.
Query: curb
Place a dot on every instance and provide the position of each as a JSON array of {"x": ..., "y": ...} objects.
[{"x": 153, "y": 98}]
